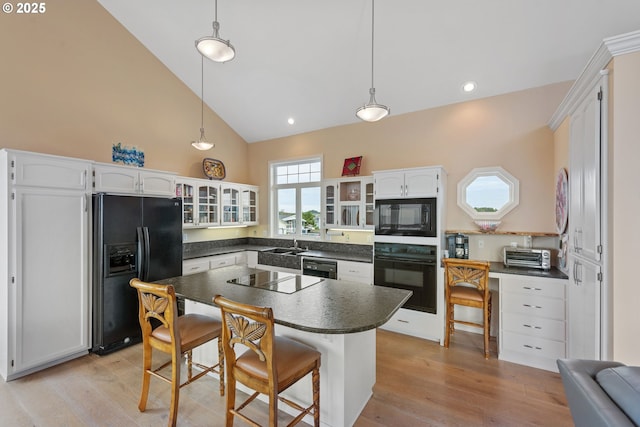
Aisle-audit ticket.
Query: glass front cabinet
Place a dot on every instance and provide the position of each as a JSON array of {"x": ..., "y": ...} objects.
[
  {"x": 200, "y": 202},
  {"x": 230, "y": 204},
  {"x": 249, "y": 205},
  {"x": 207, "y": 203},
  {"x": 348, "y": 203}
]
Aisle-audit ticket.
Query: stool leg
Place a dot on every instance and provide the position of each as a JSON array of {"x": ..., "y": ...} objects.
[
  {"x": 221, "y": 365},
  {"x": 146, "y": 377},
  {"x": 487, "y": 327},
  {"x": 315, "y": 378},
  {"x": 447, "y": 324}
]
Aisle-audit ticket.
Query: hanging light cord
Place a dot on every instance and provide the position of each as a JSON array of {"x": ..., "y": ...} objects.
[
  {"x": 215, "y": 11},
  {"x": 372, "y": 32},
  {"x": 201, "y": 94}
]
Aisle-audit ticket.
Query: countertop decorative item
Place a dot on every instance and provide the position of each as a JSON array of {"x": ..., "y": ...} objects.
[
  {"x": 351, "y": 166},
  {"x": 487, "y": 225},
  {"x": 561, "y": 200},
  {"x": 213, "y": 169},
  {"x": 127, "y": 155}
]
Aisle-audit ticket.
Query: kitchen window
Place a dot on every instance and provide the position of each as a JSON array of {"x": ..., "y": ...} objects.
[{"x": 296, "y": 198}]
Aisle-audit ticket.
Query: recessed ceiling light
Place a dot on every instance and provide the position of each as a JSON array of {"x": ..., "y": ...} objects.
[
  {"x": 291, "y": 120},
  {"x": 469, "y": 86}
]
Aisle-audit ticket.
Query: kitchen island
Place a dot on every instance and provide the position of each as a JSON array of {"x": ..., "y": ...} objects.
[{"x": 338, "y": 318}]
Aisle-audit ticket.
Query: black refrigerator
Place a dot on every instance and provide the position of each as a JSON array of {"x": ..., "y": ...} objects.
[{"x": 132, "y": 237}]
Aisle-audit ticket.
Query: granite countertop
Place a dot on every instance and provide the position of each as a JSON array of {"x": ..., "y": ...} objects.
[
  {"x": 553, "y": 273},
  {"x": 344, "y": 256},
  {"x": 328, "y": 307}
]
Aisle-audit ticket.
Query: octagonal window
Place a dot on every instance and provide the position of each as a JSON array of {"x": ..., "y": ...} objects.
[{"x": 488, "y": 193}]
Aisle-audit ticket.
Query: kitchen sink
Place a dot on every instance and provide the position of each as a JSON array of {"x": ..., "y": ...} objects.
[{"x": 286, "y": 251}]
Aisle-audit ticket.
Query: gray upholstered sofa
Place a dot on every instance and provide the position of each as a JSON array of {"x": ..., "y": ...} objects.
[{"x": 601, "y": 393}]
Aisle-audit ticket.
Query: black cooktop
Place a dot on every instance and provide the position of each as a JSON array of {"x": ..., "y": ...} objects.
[{"x": 277, "y": 281}]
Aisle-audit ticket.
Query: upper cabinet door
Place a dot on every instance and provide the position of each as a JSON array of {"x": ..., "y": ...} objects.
[
  {"x": 421, "y": 183},
  {"x": 585, "y": 179},
  {"x": 128, "y": 180},
  {"x": 404, "y": 183},
  {"x": 389, "y": 185},
  {"x": 156, "y": 183},
  {"x": 39, "y": 170}
]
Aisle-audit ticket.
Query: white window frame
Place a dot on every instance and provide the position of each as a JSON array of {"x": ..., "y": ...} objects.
[{"x": 273, "y": 199}]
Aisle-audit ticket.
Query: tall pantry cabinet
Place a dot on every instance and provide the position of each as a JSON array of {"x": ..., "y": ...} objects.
[
  {"x": 586, "y": 182},
  {"x": 44, "y": 261}
]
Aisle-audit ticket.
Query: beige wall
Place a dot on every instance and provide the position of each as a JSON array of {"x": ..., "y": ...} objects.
[
  {"x": 508, "y": 131},
  {"x": 73, "y": 82},
  {"x": 625, "y": 206}
]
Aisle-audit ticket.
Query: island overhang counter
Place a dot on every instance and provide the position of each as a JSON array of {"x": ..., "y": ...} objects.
[{"x": 338, "y": 318}]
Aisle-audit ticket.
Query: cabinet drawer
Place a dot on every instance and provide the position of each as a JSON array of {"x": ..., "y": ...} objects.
[
  {"x": 533, "y": 346},
  {"x": 533, "y": 305},
  {"x": 533, "y": 326},
  {"x": 222, "y": 261},
  {"x": 192, "y": 266},
  {"x": 532, "y": 286},
  {"x": 414, "y": 323}
]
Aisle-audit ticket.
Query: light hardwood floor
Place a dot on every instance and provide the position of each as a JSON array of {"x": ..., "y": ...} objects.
[{"x": 419, "y": 383}]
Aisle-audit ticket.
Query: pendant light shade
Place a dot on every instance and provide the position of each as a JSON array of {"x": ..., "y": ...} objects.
[
  {"x": 201, "y": 143},
  {"x": 213, "y": 47},
  {"x": 372, "y": 111}
]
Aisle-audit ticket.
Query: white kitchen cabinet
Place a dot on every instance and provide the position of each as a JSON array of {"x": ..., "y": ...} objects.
[
  {"x": 405, "y": 183},
  {"x": 198, "y": 265},
  {"x": 348, "y": 202},
  {"x": 200, "y": 202},
  {"x": 415, "y": 323},
  {"x": 195, "y": 265},
  {"x": 222, "y": 261},
  {"x": 116, "y": 179},
  {"x": 230, "y": 204},
  {"x": 584, "y": 178},
  {"x": 586, "y": 323},
  {"x": 252, "y": 258},
  {"x": 583, "y": 323},
  {"x": 361, "y": 272},
  {"x": 44, "y": 261},
  {"x": 532, "y": 320},
  {"x": 249, "y": 197}
]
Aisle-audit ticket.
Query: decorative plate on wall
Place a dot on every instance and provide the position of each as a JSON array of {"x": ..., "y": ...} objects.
[
  {"x": 561, "y": 201},
  {"x": 213, "y": 169}
]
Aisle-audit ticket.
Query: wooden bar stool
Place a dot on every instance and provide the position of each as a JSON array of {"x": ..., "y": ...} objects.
[
  {"x": 467, "y": 284},
  {"x": 269, "y": 366},
  {"x": 164, "y": 330}
]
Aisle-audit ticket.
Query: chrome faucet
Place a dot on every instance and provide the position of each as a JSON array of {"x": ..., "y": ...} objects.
[{"x": 295, "y": 243}]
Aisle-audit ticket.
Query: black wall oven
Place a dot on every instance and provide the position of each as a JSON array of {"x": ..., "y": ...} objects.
[
  {"x": 408, "y": 266},
  {"x": 406, "y": 217}
]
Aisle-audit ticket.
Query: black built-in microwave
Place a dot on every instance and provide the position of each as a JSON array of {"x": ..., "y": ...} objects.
[{"x": 406, "y": 217}]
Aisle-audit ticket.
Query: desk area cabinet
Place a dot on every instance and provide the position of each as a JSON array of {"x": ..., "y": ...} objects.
[{"x": 532, "y": 320}]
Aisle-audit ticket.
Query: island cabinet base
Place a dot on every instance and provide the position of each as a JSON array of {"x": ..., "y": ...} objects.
[{"x": 347, "y": 371}]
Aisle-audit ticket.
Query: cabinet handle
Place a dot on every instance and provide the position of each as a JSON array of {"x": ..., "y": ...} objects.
[
  {"x": 532, "y": 347},
  {"x": 193, "y": 268},
  {"x": 531, "y": 306},
  {"x": 403, "y": 321},
  {"x": 534, "y": 327},
  {"x": 529, "y": 288},
  {"x": 401, "y": 190}
]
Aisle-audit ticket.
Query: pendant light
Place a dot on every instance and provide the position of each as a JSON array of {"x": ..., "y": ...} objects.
[
  {"x": 202, "y": 144},
  {"x": 213, "y": 47},
  {"x": 372, "y": 111}
]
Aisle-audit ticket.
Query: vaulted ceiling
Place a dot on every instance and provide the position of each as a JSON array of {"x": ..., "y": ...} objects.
[{"x": 311, "y": 60}]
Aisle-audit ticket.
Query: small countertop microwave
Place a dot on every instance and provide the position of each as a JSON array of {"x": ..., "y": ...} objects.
[{"x": 527, "y": 257}]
